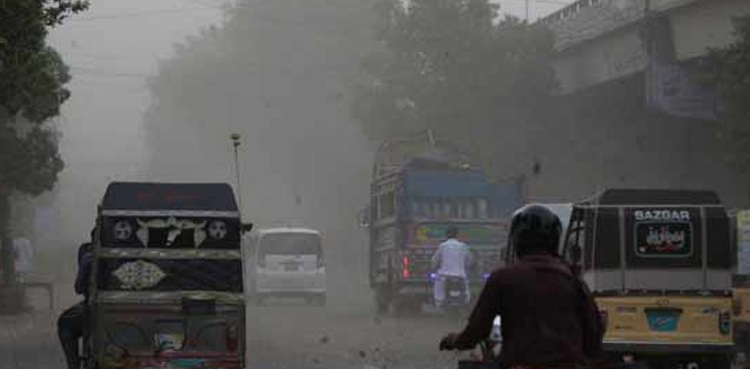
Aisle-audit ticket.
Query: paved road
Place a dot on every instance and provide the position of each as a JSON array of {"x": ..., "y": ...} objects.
[
  {"x": 301, "y": 337},
  {"x": 28, "y": 342},
  {"x": 279, "y": 336}
]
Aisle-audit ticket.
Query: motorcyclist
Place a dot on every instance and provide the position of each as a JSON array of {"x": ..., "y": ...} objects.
[
  {"x": 70, "y": 323},
  {"x": 550, "y": 319},
  {"x": 451, "y": 259}
]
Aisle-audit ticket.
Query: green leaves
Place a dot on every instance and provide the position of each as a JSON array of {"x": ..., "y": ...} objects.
[
  {"x": 728, "y": 70},
  {"x": 55, "y": 11},
  {"x": 451, "y": 66},
  {"x": 32, "y": 79}
]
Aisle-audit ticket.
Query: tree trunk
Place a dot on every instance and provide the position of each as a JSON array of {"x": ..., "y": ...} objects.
[{"x": 11, "y": 294}]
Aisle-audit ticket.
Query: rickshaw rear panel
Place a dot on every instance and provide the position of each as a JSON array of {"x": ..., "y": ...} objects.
[{"x": 167, "y": 287}]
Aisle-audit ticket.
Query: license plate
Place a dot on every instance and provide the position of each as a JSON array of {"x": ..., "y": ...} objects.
[
  {"x": 454, "y": 293},
  {"x": 290, "y": 267},
  {"x": 663, "y": 320}
]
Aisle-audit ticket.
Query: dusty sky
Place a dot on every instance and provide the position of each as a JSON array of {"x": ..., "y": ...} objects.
[{"x": 112, "y": 49}]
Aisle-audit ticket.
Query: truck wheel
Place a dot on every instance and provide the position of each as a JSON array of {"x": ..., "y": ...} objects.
[
  {"x": 406, "y": 306},
  {"x": 319, "y": 300},
  {"x": 400, "y": 308},
  {"x": 382, "y": 300}
]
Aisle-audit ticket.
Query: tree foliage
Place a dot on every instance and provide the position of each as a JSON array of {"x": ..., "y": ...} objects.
[
  {"x": 728, "y": 70},
  {"x": 32, "y": 79},
  {"x": 452, "y": 66}
]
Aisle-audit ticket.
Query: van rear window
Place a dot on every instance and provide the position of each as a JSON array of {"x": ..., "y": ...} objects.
[{"x": 290, "y": 244}]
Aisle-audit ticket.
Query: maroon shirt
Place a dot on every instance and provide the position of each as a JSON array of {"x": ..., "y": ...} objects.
[{"x": 549, "y": 317}]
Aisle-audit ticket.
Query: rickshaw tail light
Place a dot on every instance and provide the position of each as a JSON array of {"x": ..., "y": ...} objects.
[{"x": 232, "y": 338}]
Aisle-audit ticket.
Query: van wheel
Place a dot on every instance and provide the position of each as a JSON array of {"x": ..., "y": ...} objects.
[{"x": 319, "y": 300}]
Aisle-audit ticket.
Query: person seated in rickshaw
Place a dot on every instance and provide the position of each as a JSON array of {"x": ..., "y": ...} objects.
[{"x": 70, "y": 323}]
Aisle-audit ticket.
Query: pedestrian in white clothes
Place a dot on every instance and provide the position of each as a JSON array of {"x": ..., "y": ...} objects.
[
  {"x": 451, "y": 259},
  {"x": 23, "y": 258}
]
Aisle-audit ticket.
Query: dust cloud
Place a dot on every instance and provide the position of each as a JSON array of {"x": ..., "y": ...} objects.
[{"x": 278, "y": 74}]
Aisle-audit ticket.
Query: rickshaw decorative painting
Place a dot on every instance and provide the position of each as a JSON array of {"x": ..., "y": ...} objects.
[{"x": 138, "y": 275}]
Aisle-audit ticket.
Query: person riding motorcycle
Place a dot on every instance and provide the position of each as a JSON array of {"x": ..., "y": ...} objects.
[
  {"x": 451, "y": 259},
  {"x": 550, "y": 319},
  {"x": 70, "y": 324}
]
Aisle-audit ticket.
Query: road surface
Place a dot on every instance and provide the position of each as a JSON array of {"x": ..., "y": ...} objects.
[{"x": 288, "y": 336}]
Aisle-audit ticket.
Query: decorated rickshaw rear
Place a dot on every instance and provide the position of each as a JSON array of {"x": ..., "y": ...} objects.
[
  {"x": 168, "y": 281},
  {"x": 659, "y": 263}
]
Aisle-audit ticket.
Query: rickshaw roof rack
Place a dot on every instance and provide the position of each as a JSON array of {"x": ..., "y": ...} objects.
[
  {"x": 654, "y": 196},
  {"x": 149, "y": 196}
]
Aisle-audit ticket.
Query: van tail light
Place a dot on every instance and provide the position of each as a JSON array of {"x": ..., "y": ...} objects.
[
  {"x": 725, "y": 322},
  {"x": 232, "y": 338},
  {"x": 405, "y": 272},
  {"x": 320, "y": 262},
  {"x": 737, "y": 306}
]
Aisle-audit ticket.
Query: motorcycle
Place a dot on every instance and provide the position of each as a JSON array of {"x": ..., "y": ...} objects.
[{"x": 455, "y": 302}]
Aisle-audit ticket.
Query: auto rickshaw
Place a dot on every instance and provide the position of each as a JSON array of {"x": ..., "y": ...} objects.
[
  {"x": 167, "y": 284},
  {"x": 659, "y": 263},
  {"x": 741, "y": 281}
]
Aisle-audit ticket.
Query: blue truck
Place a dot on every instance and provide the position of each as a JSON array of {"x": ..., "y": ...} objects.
[{"x": 420, "y": 187}]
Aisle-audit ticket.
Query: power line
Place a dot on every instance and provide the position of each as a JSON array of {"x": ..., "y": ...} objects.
[
  {"x": 145, "y": 13},
  {"x": 206, "y": 6},
  {"x": 105, "y": 72}
]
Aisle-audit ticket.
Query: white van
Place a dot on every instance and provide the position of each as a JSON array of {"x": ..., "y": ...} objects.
[{"x": 289, "y": 262}]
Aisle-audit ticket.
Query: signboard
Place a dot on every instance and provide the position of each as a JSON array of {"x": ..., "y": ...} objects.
[
  {"x": 663, "y": 233},
  {"x": 743, "y": 242},
  {"x": 670, "y": 86}
]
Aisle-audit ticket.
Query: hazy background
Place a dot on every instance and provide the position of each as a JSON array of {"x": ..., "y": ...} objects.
[{"x": 303, "y": 160}]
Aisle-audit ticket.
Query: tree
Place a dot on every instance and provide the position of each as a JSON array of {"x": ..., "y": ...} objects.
[
  {"x": 278, "y": 73},
  {"x": 451, "y": 66},
  {"x": 728, "y": 70},
  {"x": 32, "y": 76}
]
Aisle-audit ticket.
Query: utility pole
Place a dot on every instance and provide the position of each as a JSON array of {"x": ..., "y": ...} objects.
[
  {"x": 236, "y": 144},
  {"x": 527, "y": 10}
]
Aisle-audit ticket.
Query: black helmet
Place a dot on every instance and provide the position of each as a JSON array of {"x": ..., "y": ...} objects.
[
  {"x": 535, "y": 229},
  {"x": 451, "y": 232}
]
